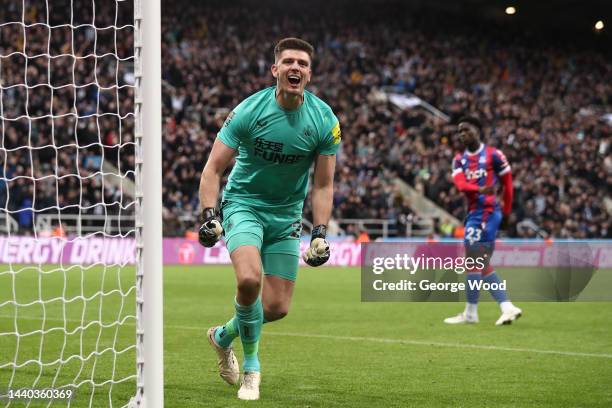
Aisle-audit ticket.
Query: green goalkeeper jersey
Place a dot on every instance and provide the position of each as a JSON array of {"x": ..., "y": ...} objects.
[{"x": 276, "y": 148}]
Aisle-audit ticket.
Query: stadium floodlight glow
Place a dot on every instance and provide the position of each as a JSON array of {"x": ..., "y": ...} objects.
[
  {"x": 599, "y": 25},
  {"x": 510, "y": 10}
]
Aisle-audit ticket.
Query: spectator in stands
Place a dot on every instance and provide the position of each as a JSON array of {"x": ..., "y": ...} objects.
[{"x": 544, "y": 104}]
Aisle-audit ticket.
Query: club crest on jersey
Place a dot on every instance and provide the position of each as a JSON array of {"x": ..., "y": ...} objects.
[
  {"x": 475, "y": 174},
  {"x": 273, "y": 152},
  {"x": 308, "y": 131}
]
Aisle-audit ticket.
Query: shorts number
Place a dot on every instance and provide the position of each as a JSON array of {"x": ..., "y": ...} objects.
[{"x": 473, "y": 234}]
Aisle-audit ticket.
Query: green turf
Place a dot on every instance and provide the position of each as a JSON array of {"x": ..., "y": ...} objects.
[
  {"x": 334, "y": 351},
  {"x": 94, "y": 294}
]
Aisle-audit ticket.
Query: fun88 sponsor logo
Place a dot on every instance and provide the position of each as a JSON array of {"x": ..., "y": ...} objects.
[{"x": 475, "y": 174}]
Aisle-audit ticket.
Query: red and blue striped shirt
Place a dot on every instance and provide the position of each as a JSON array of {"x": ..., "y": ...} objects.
[{"x": 487, "y": 166}]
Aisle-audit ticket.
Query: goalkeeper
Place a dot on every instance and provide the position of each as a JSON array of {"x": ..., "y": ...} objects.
[{"x": 275, "y": 135}]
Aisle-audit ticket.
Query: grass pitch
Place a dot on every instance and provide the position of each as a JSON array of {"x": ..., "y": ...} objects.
[{"x": 332, "y": 350}]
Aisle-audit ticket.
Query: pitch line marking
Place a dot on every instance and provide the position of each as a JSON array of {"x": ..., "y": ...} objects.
[
  {"x": 443, "y": 344},
  {"x": 381, "y": 340}
]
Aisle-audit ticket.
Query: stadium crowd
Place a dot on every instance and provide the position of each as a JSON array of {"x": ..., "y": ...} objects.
[
  {"x": 67, "y": 109},
  {"x": 541, "y": 104}
]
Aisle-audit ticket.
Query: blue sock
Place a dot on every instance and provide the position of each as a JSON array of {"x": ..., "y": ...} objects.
[
  {"x": 250, "y": 320},
  {"x": 498, "y": 294},
  {"x": 472, "y": 294}
]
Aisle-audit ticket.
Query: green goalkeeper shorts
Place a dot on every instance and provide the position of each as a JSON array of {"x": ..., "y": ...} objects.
[{"x": 275, "y": 233}]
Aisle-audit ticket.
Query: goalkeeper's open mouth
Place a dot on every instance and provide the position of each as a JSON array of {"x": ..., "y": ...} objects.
[{"x": 294, "y": 80}]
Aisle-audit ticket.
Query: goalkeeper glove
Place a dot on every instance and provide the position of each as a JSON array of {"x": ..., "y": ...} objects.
[
  {"x": 211, "y": 229},
  {"x": 318, "y": 253}
]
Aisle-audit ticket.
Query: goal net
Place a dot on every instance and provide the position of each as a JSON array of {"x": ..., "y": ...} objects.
[{"x": 70, "y": 204}]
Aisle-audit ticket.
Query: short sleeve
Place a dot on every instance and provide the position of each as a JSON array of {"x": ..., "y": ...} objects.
[
  {"x": 457, "y": 165},
  {"x": 332, "y": 138},
  {"x": 500, "y": 163},
  {"x": 235, "y": 127}
]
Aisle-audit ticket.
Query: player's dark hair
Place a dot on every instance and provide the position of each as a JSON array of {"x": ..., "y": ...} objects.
[
  {"x": 472, "y": 120},
  {"x": 292, "y": 43}
]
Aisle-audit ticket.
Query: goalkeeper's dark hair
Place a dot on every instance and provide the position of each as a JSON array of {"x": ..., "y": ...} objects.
[
  {"x": 472, "y": 120},
  {"x": 292, "y": 43}
]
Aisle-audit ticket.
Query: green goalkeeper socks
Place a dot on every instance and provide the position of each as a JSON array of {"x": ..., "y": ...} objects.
[
  {"x": 227, "y": 333},
  {"x": 250, "y": 320}
]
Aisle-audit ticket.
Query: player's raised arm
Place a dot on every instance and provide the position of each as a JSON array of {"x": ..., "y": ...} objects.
[
  {"x": 322, "y": 201},
  {"x": 323, "y": 188},
  {"x": 220, "y": 157}
]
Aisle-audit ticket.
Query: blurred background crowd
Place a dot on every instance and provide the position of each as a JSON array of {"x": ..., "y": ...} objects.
[
  {"x": 542, "y": 101},
  {"x": 67, "y": 112}
]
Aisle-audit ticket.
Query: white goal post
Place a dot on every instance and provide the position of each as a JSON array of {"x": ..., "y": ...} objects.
[
  {"x": 81, "y": 297},
  {"x": 149, "y": 270}
]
